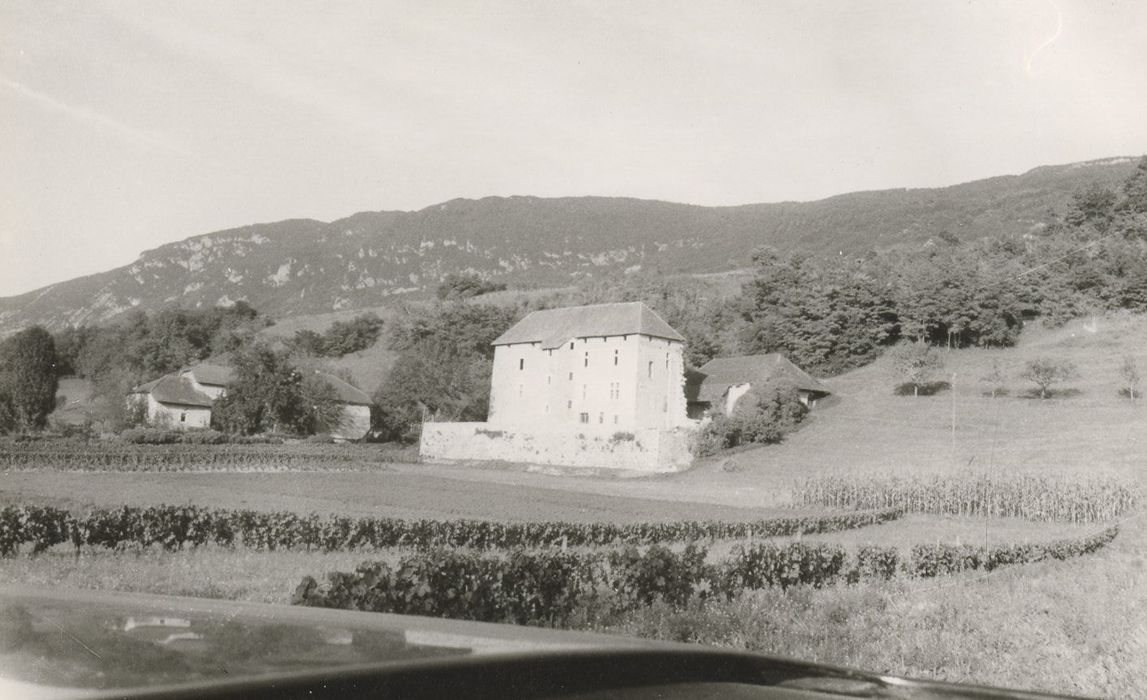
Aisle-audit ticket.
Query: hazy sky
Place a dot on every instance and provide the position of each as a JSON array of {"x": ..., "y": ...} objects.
[{"x": 125, "y": 125}]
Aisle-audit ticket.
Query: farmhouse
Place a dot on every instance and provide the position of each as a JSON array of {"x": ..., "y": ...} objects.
[
  {"x": 182, "y": 400},
  {"x": 355, "y": 420},
  {"x": 593, "y": 386},
  {"x": 722, "y": 382},
  {"x": 172, "y": 401}
]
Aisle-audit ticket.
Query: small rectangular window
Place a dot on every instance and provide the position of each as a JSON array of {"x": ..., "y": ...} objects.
[
  {"x": 651, "y": 368},
  {"x": 615, "y": 419},
  {"x": 584, "y": 417},
  {"x": 600, "y": 418},
  {"x": 614, "y": 358},
  {"x": 571, "y": 345},
  {"x": 569, "y": 404},
  {"x": 571, "y": 376},
  {"x": 182, "y": 417},
  {"x": 522, "y": 363}
]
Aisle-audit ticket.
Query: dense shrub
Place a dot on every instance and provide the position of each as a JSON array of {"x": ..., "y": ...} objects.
[{"x": 763, "y": 416}]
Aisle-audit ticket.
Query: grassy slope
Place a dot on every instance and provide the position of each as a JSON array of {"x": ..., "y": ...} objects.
[{"x": 870, "y": 429}]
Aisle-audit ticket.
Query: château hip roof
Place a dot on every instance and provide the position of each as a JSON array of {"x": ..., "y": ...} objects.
[{"x": 552, "y": 327}]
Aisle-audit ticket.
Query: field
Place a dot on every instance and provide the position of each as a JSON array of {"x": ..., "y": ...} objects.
[{"x": 1076, "y": 626}]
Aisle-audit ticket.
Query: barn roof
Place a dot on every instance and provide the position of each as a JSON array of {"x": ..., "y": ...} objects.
[
  {"x": 174, "y": 389},
  {"x": 552, "y": 327},
  {"x": 344, "y": 391},
  {"x": 211, "y": 375},
  {"x": 717, "y": 375}
]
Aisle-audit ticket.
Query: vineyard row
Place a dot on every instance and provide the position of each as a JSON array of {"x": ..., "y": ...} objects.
[
  {"x": 38, "y": 528},
  {"x": 556, "y": 587}
]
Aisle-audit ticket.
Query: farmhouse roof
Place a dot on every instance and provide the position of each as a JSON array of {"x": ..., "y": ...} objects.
[
  {"x": 719, "y": 374},
  {"x": 552, "y": 327},
  {"x": 174, "y": 389},
  {"x": 344, "y": 391},
  {"x": 211, "y": 375}
]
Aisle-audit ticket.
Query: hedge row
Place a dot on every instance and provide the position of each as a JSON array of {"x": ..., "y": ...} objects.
[
  {"x": 176, "y": 527},
  {"x": 556, "y": 587},
  {"x": 121, "y": 456}
]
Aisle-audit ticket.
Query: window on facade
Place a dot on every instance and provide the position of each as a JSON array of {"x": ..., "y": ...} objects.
[
  {"x": 571, "y": 376},
  {"x": 548, "y": 378},
  {"x": 522, "y": 363},
  {"x": 182, "y": 417},
  {"x": 651, "y": 368},
  {"x": 583, "y": 417},
  {"x": 583, "y": 390},
  {"x": 615, "y": 419},
  {"x": 614, "y": 358},
  {"x": 571, "y": 345},
  {"x": 665, "y": 405},
  {"x": 569, "y": 404},
  {"x": 586, "y": 361},
  {"x": 601, "y": 418},
  {"x": 666, "y": 360}
]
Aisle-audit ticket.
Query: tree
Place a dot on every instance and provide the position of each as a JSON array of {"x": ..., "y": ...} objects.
[
  {"x": 345, "y": 337},
  {"x": 915, "y": 363},
  {"x": 464, "y": 285},
  {"x": 996, "y": 378},
  {"x": 272, "y": 394},
  {"x": 28, "y": 377},
  {"x": 1129, "y": 372},
  {"x": 1046, "y": 372},
  {"x": 430, "y": 381}
]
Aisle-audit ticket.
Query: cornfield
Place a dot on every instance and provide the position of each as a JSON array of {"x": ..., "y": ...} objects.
[{"x": 1030, "y": 496}]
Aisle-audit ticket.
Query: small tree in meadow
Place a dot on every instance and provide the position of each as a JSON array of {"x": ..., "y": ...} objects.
[
  {"x": 1046, "y": 372},
  {"x": 915, "y": 363},
  {"x": 1129, "y": 373},
  {"x": 996, "y": 378}
]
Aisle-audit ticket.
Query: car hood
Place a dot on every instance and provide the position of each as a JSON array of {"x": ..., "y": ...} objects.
[{"x": 71, "y": 643}]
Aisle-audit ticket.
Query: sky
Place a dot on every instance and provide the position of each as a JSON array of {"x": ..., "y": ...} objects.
[{"x": 126, "y": 125}]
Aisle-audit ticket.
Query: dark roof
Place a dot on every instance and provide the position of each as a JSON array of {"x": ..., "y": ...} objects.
[
  {"x": 553, "y": 327},
  {"x": 211, "y": 375},
  {"x": 173, "y": 389},
  {"x": 344, "y": 391},
  {"x": 719, "y": 374}
]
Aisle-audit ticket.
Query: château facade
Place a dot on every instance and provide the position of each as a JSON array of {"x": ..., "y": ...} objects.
[
  {"x": 584, "y": 386},
  {"x": 614, "y": 365}
]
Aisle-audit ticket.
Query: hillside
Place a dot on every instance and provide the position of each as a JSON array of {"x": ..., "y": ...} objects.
[
  {"x": 370, "y": 258},
  {"x": 1089, "y": 430}
]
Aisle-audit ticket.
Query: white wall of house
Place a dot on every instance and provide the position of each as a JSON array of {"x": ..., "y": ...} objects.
[
  {"x": 354, "y": 424},
  {"x": 733, "y": 395},
  {"x": 621, "y": 382}
]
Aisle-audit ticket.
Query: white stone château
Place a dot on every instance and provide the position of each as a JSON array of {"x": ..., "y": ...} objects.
[
  {"x": 586, "y": 386},
  {"x": 617, "y": 365}
]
